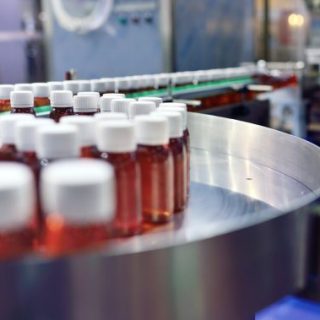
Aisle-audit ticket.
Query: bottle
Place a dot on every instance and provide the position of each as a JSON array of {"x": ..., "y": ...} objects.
[
  {"x": 137, "y": 108},
  {"x": 99, "y": 86},
  {"x": 85, "y": 126},
  {"x": 61, "y": 103},
  {"x": 22, "y": 102},
  {"x": 94, "y": 94},
  {"x": 179, "y": 153},
  {"x": 41, "y": 94},
  {"x": 78, "y": 203},
  {"x": 72, "y": 85},
  {"x": 5, "y": 90},
  {"x": 156, "y": 100},
  {"x": 156, "y": 165},
  {"x": 25, "y": 142},
  {"x": 182, "y": 108},
  {"x": 23, "y": 87},
  {"x": 8, "y": 151},
  {"x": 84, "y": 86},
  {"x": 107, "y": 98},
  {"x": 116, "y": 144},
  {"x": 55, "y": 86},
  {"x": 121, "y": 105},
  {"x": 123, "y": 85},
  {"x": 85, "y": 105},
  {"x": 110, "y": 85},
  {"x": 17, "y": 227},
  {"x": 109, "y": 116}
]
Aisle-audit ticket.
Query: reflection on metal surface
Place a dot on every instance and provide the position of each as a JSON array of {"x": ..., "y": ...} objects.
[{"x": 240, "y": 245}]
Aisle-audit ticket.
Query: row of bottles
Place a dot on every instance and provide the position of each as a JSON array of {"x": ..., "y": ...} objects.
[{"x": 146, "y": 146}]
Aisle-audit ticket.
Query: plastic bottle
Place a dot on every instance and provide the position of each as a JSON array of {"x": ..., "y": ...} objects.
[
  {"x": 5, "y": 90},
  {"x": 17, "y": 227},
  {"x": 137, "y": 108},
  {"x": 156, "y": 100},
  {"x": 117, "y": 145},
  {"x": 179, "y": 153},
  {"x": 22, "y": 102},
  {"x": 85, "y": 126},
  {"x": 156, "y": 164},
  {"x": 41, "y": 94},
  {"x": 78, "y": 202},
  {"x": 85, "y": 105},
  {"x": 121, "y": 105},
  {"x": 107, "y": 98},
  {"x": 8, "y": 151},
  {"x": 61, "y": 103}
]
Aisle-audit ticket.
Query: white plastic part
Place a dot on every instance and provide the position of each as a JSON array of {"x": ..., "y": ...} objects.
[
  {"x": 137, "y": 108},
  {"x": 98, "y": 85},
  {"x": 5, "y": 90},
  {"x": 175, "y": 120},
  {"x": 85, "y": 126},
  {"x": 89, "y": 93},
  {"x": 17, "y": 194},
  {"x": 110, "y": 85},
  {"x": 107, "y": 98},
  {"x": 7, "y": 126},
  {"x": 55, "y": 85},
  {"x": 21, "y": 99},
  {"x": 96, "y": 19},
  {"x": 116, "y": 136},
  {"x": 72, "y": 85},
  {"x": 182, "y": 111},
  {"x": 41, "y": 90},
  {"x": 84, "y": 86},
  {"x": 25, "y": 133},
  {"x": 109, "y": 116},
  {"x": 156, "y": 100},
  {"x": 85, "y": 103},
  {"x": 151, "y": 130},
  {"x": 23, "y": 87},
  {"x": 57, "y": 142},
  {"x": 177, "y": 106},
  {"x": 81, "y": 191},
  {"x": 121, "y": 105},
  {"x": 123, "y": 84},
  {"x": 61, "y": 98}
]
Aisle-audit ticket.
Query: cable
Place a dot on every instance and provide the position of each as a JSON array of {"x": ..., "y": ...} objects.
[{"x": 95, "y": 20}]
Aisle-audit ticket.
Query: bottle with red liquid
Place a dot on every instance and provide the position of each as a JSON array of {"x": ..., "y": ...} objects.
[
  {"x": 8, "y": 151},
  {"x": 79, "y": 203},
  {"x": 179, "y": 153},
  {"x": 61, "y": 103},
  {"x": 85, "y": 105},
  {"x": 117, "y": 145},
  {"x": 182, "y": 109},
  {"x": 137, "y": 108},
  {"x": 121, "y": 105},
  {"x": 156, "y": 165},
  {"x": 22, "y": 102},
  {"x": 41, "y": 94},
  {"x": 5, "y": 90},
  {"x": 17, "y": 228},
  {"x": 107, "y": 98},
  {"x": 85, "y": 126},
  {"x": 156, "y": 100}
]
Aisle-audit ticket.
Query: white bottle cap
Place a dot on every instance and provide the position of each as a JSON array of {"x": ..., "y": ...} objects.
[
  {"x": 175, "y": 120},
  {"x": 17, "y": 194},
  {"x": 89, "y": 93},
  {"x": 116, "y": 136},
  {"x": 84, "y": 86},
  {"x": 72, "y": 85},
  {"x": 41, "y": 90},
  {"x": 61, "y": 98},
  {"x": 85, "y": 126},
  {"x": 8, "y": 123},
  {"x": 21, "y": 99},
  {"x": 25, "y": 133},
  {"x": 109, "y": 84},
  {"x": 55, "y": 85},
  {"x": 85, "y": 103},
  {"x": 5, "y": 90},
  {"x": 156, "y": 100},
  {"x": 106, "y": 99},
  {"x": 81, "y": 191},
  {"x": 141, "y": 107},
  {"x": 174, "y": 105},
  {"x": 57, "y": 142},
  {"x": 183, "y": 113},
  {"x": 162, "y": 80},
  {"x": 108, "y": 116},
  {"x": 98, "y": 85},
  {"x": 152, "y": 131},
  {"x": 23, "y": 87},
  {"x": 121, "y": 105},
  {"x": 123, "y": 84}
]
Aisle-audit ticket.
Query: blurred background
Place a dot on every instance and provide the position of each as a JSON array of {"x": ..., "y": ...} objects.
[{"x": 41, "y": 39}]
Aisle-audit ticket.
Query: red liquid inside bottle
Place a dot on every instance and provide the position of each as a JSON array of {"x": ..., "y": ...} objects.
[
  {"x": 41, "y": 101},
  {"x": 85, "y": 113},
  {"x": 127, "y": 220},
  {"x": 90, "y": 152},
  {"x": 8, "y": 152},
  {"x": 186, "y": 140},
  {"x": 156, "y": 165},
  {"x": 5, "y": 105},
  {"x": 16, "y": 110},
  {"x": 58, "y": 112}
]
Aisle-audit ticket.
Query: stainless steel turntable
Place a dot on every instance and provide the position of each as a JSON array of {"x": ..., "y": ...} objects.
[{"x": 240, "y": 245}]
